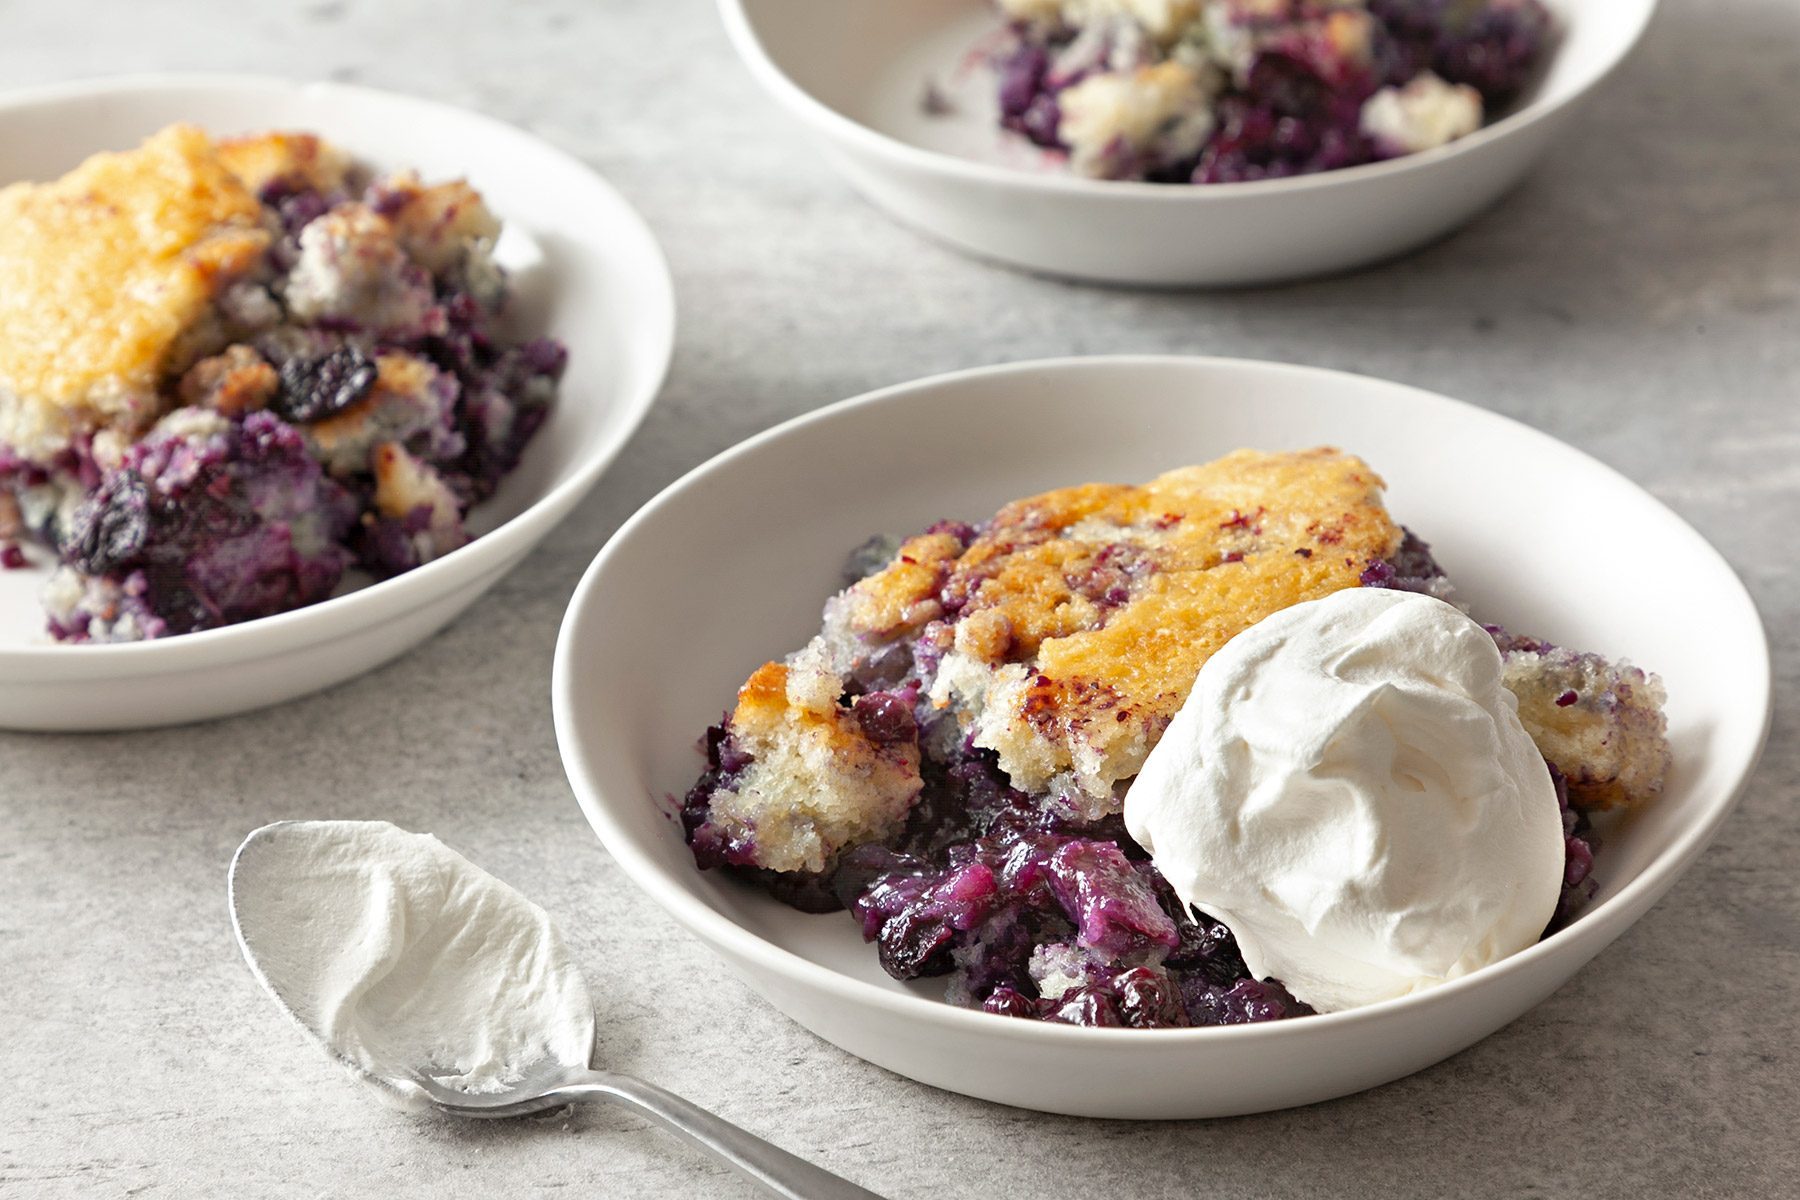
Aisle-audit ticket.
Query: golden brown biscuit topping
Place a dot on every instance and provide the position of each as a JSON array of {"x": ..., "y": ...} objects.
[
  {"x": 1084, "y": 614},
  {"x": 818, "y": 782},
  {"x": 301, "y": 160},
  {"x": 103, "y": 272}
]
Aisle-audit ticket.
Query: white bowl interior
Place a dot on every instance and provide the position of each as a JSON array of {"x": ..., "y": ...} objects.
[
  {"x": 729, "y": 568},
  {"x": 872, "y": 63},
  {"x": 579, "y": 273}
]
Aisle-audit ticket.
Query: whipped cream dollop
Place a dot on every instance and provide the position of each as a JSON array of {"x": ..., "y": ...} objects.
[
  {"x": 1348, "y": 787},
  {"x": 399, "y": 954}
]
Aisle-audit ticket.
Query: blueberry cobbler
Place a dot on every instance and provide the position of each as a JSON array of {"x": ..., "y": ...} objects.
[
  {"x": 949, "y": 759},
  {"x": 232, "y": 370},
  {"x": 1218, "y": 91}
]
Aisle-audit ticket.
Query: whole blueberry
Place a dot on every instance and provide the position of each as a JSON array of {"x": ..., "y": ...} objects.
[
  {"x": 315, "y": 388},
  {"x": 886, "y": 718},
  {"x": 110, "y": 528}
]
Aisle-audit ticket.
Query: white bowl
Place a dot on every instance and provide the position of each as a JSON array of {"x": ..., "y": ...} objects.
[
  {"x": 730, "y": 565},
  {"x": 585, "y": 269},
  {"x": 856, "y": 75}
]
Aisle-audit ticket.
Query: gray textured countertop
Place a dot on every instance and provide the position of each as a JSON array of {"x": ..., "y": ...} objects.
[{"x": 1640, "y": 297}]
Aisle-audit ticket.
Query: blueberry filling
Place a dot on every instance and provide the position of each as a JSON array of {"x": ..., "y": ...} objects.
[
  {"x": 1024, "y": 907},
  {"x": 1283, "y": 86},
  {"x": 191, "y": 533}
]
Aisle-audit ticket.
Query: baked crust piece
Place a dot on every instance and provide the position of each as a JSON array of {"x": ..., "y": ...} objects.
[
  {"x": 298, "y": 160},
  {"x": 1078, "y": 619},
  {"x": 817, "y": 781},
  {"x": 105, "y": 275},
  {"x": 1599, "y": 722}
]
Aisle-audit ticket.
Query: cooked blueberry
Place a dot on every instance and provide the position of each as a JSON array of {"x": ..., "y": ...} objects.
[
  {"x": 886, "y": 718},
  {"x": 1148, "y": 999},
  {"x": 544, "y": 356},
  {"x": 912, "y": 944},
  {"x": 111, "y": 527},
  {"x": 1086, "y": 1007},
  {"x": 1411, "y": 569},
  {"x": 1244, "y": 1002},
  {"x": 1021, "y": 80},
  {"x": 315, "y": 388},
  {"x": 1115, "y": 910},
  {"x": 1010, "y": 1002}
]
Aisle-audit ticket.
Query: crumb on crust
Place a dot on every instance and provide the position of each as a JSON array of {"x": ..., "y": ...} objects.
[
  {"x": 1600, "y": 723},
  {"x": 411, "y": 492},
  {"x": 353, "y": 268},
  {"x": 438, "y": 224},
  {"x": 1164, "y": 109},
  {"x": 234, "y": 382},
  {"x": 410, "y": 397}
]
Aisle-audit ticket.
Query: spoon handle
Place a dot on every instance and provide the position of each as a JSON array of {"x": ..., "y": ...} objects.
[{"x": 777, "y": 1170}]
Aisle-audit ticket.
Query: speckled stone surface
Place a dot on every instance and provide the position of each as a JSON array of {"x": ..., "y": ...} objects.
[{"x": 1640, "y": 297}]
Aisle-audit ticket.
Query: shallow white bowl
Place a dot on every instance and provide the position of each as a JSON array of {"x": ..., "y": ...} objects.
[
  {"x": 729, "y": 567},
  {"x": 856, "y": 74},
  {"x": 585, "y": 270}
]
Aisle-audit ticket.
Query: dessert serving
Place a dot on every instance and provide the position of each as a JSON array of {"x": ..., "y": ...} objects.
[
  {"x": 1216, "y": 749},
  {"x": 1219, "y": 91},
  {"x": 233, "y": 370}
]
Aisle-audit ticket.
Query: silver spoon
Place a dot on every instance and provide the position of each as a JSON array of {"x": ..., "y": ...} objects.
[
  {"x": 768, "y": 1164},
  {"x": 549, "y": 1083}
]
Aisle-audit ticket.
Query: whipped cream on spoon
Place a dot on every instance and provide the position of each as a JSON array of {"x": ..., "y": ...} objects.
[{"x": 446, "y": 989}]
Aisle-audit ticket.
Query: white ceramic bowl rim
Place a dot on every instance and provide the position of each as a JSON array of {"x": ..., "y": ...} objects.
[
  {"x": 389, "y": 597},
  {"x": 773, "y": 77},
  {"x": 712, "y": 925}
]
